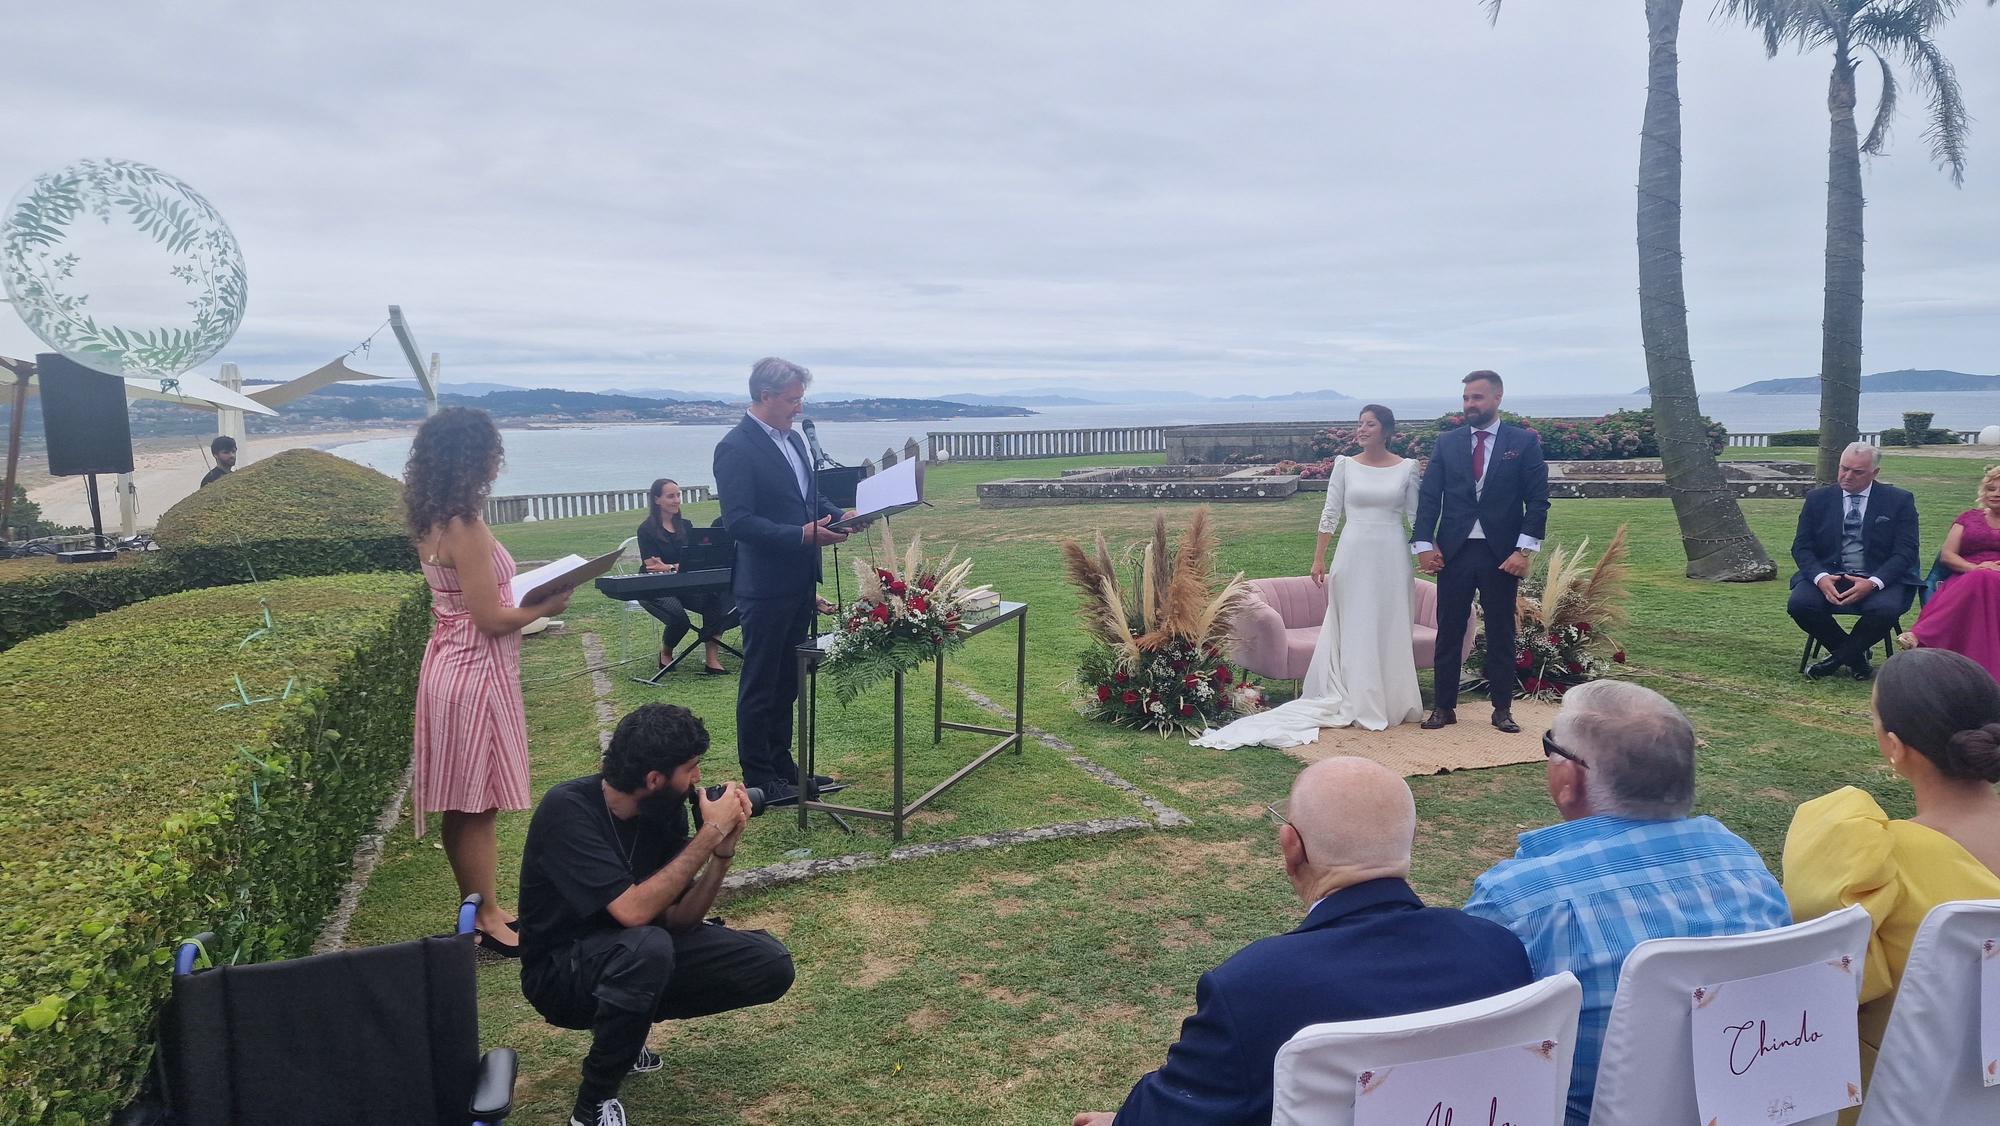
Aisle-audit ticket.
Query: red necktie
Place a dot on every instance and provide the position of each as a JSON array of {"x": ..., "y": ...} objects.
[{"x": 1479, "y": 455}]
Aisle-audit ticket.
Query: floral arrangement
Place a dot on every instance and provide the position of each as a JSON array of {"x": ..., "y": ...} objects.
[
  {"x": 1564, "y": 621},
  {"x": 1156, "y": 658},
  {"x": 904, "y": 615}
]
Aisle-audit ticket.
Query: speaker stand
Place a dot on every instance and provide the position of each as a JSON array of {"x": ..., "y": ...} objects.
[{"x": 101, "y": 554}]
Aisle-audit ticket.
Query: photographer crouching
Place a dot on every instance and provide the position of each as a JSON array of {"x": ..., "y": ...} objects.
[{"x": 613, "y": 893}]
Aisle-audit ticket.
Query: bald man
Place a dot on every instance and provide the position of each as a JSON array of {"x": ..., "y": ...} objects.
[{"x": 1368, "y": 948}]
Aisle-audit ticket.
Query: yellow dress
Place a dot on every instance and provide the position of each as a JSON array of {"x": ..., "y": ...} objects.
[{"x": 1842, "y": 850}]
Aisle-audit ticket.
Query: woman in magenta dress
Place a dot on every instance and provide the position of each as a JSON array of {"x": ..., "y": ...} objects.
[
  {"x": 471, "y": 746},
  {"x": 1964, "y": 615}
]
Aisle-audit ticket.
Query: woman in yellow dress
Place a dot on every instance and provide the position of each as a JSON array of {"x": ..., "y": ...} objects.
[{"x": 1937, "y": 722}]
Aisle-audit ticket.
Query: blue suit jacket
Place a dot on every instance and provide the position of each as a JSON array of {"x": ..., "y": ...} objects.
[
  {"x": 1370, "y": 950},
  {"x": 763, "y": 509},
  {"x": 1888, "y": 535},
  {"x": 1515, "y": 500}
]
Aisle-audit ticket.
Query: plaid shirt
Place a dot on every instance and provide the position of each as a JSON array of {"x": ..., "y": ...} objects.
[{"x": 1583, "y": 893}]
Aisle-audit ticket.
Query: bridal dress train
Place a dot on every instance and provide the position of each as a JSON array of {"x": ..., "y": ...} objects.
[{"x": 1364, "y": 669}]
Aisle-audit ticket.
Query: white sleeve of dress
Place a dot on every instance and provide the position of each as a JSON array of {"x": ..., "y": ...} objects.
[
  {"x": 1336, "y": 498},
  {"x": 1412, "y": 483}
]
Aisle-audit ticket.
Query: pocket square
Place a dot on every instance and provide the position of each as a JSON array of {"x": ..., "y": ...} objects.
[
  {"x": 1881, "y": 519},
  {"x": 1510, "y": 455}
]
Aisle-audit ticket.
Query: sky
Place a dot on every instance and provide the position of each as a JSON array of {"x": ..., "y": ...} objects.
[{"x": 910, "y": 197}]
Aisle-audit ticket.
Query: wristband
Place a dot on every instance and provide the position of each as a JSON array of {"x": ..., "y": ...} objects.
[{"x": 722, "y": 855}]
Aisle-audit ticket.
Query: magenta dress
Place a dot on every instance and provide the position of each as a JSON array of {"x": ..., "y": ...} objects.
[
  {"x": 1964, "y": 615},
  {"x": 471, "y": 751}
]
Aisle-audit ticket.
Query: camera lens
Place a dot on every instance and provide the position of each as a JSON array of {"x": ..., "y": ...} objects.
[{"x": 756, "y": 797}]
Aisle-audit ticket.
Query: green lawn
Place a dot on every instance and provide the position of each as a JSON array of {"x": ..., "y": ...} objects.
[{"x": 1021, "y": 984}]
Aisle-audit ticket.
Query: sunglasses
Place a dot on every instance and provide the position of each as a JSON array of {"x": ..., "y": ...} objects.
[{"x": 1550, "y": 747}]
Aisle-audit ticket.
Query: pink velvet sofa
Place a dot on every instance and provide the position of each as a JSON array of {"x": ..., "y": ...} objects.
[{"x": 1277, "y": 632}]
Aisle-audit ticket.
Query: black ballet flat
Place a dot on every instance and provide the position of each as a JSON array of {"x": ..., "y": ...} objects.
[
  {"x": 486, "y": 944},
  {"x": 706, "y": 671}
]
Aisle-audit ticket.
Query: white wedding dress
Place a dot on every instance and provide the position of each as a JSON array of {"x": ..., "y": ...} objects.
[{"x": 1363, "y": 671}]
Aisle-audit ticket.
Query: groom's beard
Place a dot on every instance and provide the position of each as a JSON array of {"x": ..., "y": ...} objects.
[{"x": 1478, "y": 421}]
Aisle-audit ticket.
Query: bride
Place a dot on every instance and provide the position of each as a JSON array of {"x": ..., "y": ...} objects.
[{"x": 1363, "y": 671}]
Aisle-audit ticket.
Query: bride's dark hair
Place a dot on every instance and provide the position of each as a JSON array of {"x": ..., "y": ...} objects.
[{"x": 1384, "y": 417}]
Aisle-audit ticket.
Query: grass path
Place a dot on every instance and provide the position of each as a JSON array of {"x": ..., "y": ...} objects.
[{"x": 1019, "y": 985}]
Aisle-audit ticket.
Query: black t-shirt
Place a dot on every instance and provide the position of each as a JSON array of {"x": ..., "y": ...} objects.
[
  {"x": 579, "y": 858},
  {"x": 214, "y": 475},
  {"x": 665, "y": 547}
]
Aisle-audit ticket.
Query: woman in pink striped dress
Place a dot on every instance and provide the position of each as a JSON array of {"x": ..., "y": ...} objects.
[{"x": 471, "y": 752}]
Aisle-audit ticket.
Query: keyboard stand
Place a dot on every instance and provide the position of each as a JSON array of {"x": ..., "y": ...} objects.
[{"x": 694, "y": 639}]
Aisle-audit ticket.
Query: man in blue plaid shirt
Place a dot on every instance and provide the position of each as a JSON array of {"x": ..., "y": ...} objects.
[{"x": 1627, "y": 863}]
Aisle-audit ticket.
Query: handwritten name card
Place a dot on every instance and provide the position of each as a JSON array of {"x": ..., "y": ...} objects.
[
  {"x": 1778, "y": 1048},
  {"x": 1504, "y": 1087},
  {"x": 1989, "y": 1012}
]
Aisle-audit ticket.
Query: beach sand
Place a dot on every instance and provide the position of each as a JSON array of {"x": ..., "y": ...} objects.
[{"x": 164, "y": 474}]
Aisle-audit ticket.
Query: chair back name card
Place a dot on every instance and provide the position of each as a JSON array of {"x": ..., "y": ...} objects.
[
  {"x": 1780, "y": 1047},
  {"x": 1989, "y": 1012},
  {"x": 1503, "y": 1087}
]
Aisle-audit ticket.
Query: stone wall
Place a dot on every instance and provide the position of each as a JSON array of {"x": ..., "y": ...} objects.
[{"x": 1215, "y": 443}]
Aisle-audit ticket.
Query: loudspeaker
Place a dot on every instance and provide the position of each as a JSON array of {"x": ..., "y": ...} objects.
[{"x": 83, "y": 418}]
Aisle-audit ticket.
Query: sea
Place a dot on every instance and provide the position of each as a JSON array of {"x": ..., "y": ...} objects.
[{"x": 631, "y": 455}]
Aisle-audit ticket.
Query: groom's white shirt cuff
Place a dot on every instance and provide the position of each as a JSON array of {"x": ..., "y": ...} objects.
[
  {"x": 1525, "y": 543},
  {"x": 1879, "y": 584}
]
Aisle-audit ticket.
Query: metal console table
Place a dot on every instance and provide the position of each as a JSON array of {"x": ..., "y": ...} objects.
[{"x": 813, "y": 652}]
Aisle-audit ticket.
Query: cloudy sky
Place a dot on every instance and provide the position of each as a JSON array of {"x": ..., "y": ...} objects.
[{"x": 911, "y": 196}]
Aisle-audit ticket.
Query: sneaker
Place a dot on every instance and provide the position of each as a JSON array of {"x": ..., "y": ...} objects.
[
  {"x": 610, "y": 1112},
  {"x": 648, "y": 1061}
]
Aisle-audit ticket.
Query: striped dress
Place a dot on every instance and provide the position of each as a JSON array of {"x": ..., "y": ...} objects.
[{"x": 471, "y": 751}]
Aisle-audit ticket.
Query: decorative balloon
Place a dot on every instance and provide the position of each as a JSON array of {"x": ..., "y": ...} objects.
[{"x": 123, "y": 268}]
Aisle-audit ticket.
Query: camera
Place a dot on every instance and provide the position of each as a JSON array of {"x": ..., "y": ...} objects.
[{"x": 715, "y": 793}]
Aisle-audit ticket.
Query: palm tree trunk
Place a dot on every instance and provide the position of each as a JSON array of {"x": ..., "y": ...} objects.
[
  {"x": 1717, "y": 540},
  {"x": 1840, "y": 326}
]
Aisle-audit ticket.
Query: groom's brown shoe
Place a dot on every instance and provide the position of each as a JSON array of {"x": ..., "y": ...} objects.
[
  {"x": 1504, "y": 720},
  {"x": 1439, "y": 717}
]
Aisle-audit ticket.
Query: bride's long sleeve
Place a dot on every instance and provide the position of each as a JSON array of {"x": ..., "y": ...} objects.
[
  {"x": 1412, "y": 486},
  {"x": 1336, "y": 499}
]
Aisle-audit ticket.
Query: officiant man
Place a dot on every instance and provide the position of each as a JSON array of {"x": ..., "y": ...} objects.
[
  {"x": 1481, "y": 514},
  {"x": 780, "y": 522}
]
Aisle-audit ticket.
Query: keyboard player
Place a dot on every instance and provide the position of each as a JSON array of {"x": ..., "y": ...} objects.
[{"x": 663, "y": 538}]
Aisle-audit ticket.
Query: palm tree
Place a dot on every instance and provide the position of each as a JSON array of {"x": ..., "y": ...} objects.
[
  {"x": 1899, "y": 30},
  {"x": 1714, "y": 535}
]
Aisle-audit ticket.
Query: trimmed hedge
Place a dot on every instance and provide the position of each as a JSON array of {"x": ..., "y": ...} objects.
[
  {"x": 1897, "y": 436},
  {"x": 1795, "y": 438},
  {"x": 300, "y": 512},
  {"x": 136, "y": 809},
  {"x": 1611, "y": 437}
]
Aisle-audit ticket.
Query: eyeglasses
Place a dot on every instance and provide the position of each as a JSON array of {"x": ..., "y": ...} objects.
[
  {"x": 1549, "y": 747},
  {"x": 1276, "y": 812}
]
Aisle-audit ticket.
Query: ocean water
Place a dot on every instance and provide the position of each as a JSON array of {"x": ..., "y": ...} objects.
[{"x": 630, "y": 456}]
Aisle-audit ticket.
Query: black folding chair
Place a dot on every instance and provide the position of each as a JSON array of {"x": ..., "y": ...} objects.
[
  {"x": 1932, "y": 581},
  {"x": 388, "y": 1034}
]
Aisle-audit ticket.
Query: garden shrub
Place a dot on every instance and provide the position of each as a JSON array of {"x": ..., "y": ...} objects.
[
  {"x": 1611, "y": 437},
  {"x": 137, "y": 808},
  {"x": 1795, "y": 438},
  {"x": 38, "y": 594},
  {"x": 1897, "y": 436},
  {"x": 301, "y": 512}
]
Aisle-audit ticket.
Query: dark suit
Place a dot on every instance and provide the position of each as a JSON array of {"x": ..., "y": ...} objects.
[
  {"x": 1888, "y": 552},
  {"x": 1513, "y": 502},
  {"x": 776, "y": 578},
  {"x": 1370, "y": 950}
]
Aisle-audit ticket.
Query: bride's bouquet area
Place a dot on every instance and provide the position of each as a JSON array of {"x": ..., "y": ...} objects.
[
  {"x": 1565, "y": 619},
  {"x": 908, "y": 612},
  {"x": 1156, "y": 660}
]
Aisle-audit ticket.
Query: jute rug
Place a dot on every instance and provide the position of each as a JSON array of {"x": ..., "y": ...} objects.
[{"x": 1469, "y": 744}]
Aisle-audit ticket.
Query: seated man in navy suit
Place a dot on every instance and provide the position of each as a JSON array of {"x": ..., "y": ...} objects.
[
  {"x": 1857, "y": 554},
  {"x": 1368, "y": 948}
]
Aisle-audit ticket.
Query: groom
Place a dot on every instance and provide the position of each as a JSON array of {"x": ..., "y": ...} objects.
[{"x": 1483, "y": 510}]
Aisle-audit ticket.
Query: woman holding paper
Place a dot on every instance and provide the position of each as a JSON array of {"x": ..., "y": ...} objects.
[
  {"x": 1937, "y": 722},
  {"x": 471, "y": 746}
]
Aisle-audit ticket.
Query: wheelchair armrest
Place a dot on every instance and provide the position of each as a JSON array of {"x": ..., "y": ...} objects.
[{"x": 493, "y": 1092}]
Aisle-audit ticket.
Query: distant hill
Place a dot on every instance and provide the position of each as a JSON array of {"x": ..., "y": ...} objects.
[
  {"x": 911, "y": 410},
  {"x": 1315, "y": 396},
  {"x": 1024, "y": 400},
  {"x": 1909, "y": 379}
]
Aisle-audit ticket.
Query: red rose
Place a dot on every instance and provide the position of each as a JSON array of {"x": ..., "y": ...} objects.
[
  {"x": 1554, "y": 641},
  {"x": 1531, "y": 684},
  {"x": 1583, "y": 628},
  {"x": 898, "y": 587},
  {"x": 1222, "y": 674},
  {"x": 1129, "y": 698},
  {"x": 918, "y": 604},
  {"x": 928, "y": 582},
  {"x": 880, "y": 613},
  {"x": 1525, "y": 660},
  {"x": 1187, "y": 709},
  {"x": 1120, "y": 676},
  {"x": 1574, "y": 667},
  {"x": 1619, "y": 656},
  {"x": 1103, "y": 693}
]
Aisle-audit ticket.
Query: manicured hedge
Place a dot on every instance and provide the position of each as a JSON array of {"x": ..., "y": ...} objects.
[
  {"x": 38, "y": 594},
  {"x": 136, "y": 809},
  {"x": 1897, "y": 436},
  {"x": 301, "y": 512},
  {"x": 1795, "y": 438},
  {"x": 1611, "y": 437}
]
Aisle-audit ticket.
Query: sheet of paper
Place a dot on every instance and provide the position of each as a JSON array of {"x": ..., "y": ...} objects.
[
  {"x": 1780, "y": 1047},
  {"x": 1989, "y": 1012},
  {"x": 892, "y": 490},
  {"x": 1515, "y": 1085},
  {"x": 567, "y": 573}
]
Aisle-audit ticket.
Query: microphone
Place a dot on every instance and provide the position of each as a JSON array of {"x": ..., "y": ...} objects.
[{"x": 812, "y": 442}]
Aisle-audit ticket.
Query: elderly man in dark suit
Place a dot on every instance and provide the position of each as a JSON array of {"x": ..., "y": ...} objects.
[
  {"x": 1368, "y": 948},
  {"x": 1482, "y": 511},
  {"x": 1856, "y": 549},
  {"x": 769, "y": 504}
]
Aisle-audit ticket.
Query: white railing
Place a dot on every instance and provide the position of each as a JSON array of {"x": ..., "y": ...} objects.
[
  {"x": 1012, "y": 445},
  {"x": 559, "y": 506},
  {"x": 1872, "y": 437}
]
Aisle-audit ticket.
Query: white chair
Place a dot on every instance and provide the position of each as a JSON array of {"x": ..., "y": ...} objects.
[
  {"x": 1928, "y": 1069},
  {"x": 1645, "y": 1075},
  {"x": 1313, "y": 1077}
]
